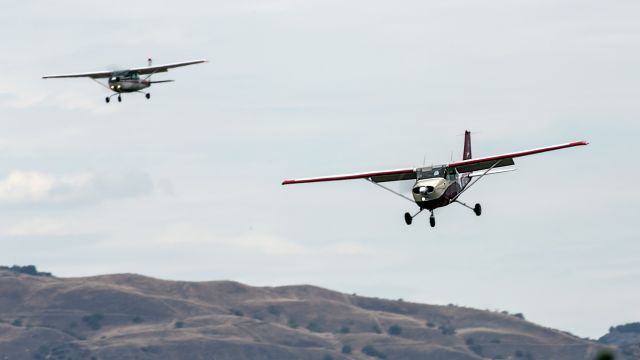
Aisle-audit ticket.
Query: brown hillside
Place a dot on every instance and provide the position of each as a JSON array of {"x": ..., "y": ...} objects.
[{"x": 129, "y": 316}]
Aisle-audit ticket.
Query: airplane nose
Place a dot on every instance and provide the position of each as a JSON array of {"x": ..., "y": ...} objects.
[{"x": 423, "y": 189}]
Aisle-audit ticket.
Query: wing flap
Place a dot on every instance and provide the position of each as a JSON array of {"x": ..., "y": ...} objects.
[
  {"x": 376, "y": 176},
  {"x": 490, "y": 172},
  {"x": 483, "y": 165}
]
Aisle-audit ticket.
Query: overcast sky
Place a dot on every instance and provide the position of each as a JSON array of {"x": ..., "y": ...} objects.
[{"x": 187, "y": 185}]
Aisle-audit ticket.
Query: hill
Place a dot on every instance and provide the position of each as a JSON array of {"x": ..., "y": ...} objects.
[{"x": 129, "y": 316}]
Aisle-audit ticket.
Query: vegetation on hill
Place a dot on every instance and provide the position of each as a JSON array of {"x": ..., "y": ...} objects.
[
  {"x": 627, "y": 328},
  {"x": 28, "y": 270}
]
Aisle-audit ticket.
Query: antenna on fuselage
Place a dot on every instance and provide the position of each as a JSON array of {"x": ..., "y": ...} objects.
[{"x": 149, "y": 62}]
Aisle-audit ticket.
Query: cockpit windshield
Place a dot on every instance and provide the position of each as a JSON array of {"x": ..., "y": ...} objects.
[
  {"x": 124, "y": 75},
  {"x": 432, "y": 172}
]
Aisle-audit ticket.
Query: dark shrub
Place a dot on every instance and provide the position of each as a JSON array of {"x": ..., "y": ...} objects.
[
  {"x": 395, "y": 330},
  {"x": 273, "y": 310},
  {"x": 371, "y": 351},
  {"x": 314, "y": 327},
  {"x": 447, "y": 329},
  {"x": 93, "y": 320},
  {"x": 179, "y": 324},
  {"x": 346, "y": 349}
]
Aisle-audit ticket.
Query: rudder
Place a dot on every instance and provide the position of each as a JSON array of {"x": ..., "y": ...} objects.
[{"x": 466, "y": 155}]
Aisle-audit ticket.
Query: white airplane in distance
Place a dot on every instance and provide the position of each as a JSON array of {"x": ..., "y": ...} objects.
[{"x": 125, "y": 81}]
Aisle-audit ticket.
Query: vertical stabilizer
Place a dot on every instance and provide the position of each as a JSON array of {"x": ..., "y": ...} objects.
[{"x": 467, "y": 145}]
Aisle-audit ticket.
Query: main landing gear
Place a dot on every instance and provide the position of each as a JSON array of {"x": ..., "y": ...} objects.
[
  {"x": 408, "y": 218},
  {"x": 476, "y": 209},
  {"x": 108, "y": 98}
]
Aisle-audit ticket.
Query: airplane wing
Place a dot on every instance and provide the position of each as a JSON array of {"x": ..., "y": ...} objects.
[
  {"x": 163, "y": 68},
  {"x": 471, "y": 165},
  {"x": 141, "y": 70},
  {"x": 375, "y": 176},
  {"x": 93, "y": 75}
]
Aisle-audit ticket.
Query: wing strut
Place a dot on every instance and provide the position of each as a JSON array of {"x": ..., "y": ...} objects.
[
  {"x": 476, "y": 180},
  {"x": 389, "y": 190},
  {"x": 101, "y": 83}
]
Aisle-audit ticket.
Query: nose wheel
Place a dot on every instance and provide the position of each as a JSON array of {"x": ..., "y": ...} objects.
[
  {"x": 148, "y": 95},
  {"x": 432, "y": 220},
  {"x": 119, "y": 98}
]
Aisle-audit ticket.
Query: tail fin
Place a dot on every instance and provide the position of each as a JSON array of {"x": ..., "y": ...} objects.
[{"x": 467, "y": 145}]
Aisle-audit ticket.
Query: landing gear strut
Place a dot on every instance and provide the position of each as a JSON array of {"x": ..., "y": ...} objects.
[
  {"x": 476, "y": 209},
  {"x": 108, "y": 98}
]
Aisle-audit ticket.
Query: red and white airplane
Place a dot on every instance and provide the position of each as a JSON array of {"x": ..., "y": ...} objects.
[
  {"x": 438, "y": 186},
  {"x": 126, "y": 81}
]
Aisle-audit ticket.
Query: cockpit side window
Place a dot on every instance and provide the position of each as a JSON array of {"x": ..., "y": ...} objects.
[{"x": 451, "y": 174}]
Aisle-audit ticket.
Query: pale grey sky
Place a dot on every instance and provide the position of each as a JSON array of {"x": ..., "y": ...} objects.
[{"x": 187, "y": 185}]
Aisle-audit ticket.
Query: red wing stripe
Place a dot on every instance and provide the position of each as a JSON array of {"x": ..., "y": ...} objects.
[
  {"x": 518, "y": 154},
  {"x": 348, "y": 176}
]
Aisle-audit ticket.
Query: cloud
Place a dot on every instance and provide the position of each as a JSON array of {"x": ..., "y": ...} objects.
[
  {"x": 37, "y": 188},
  {"x": 254, "y": 242},
  {"x": 39, "y": 227}
]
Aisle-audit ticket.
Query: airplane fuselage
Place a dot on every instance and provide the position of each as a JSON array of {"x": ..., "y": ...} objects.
[
  {"x": 123, "y": 85},
  {"x": 127, "y": 81},
  {"x": 438, "y": 187}
]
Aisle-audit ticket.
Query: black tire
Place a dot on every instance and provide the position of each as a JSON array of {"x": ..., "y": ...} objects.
[
  {"x": 407, "y": 218},
  {"x": 432, "y": 221},
  {"x": 107, "y": 99},
  {"x": 478, "y": 210},
  {"x": 148, "y": 95},
  {"x": 119, "y": 98}
]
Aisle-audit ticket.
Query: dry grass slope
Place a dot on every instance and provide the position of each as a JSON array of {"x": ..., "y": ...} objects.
[{"x": 128, "y": 316}]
